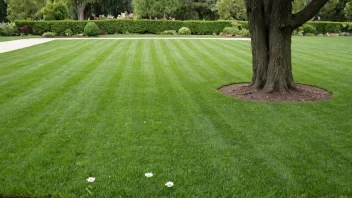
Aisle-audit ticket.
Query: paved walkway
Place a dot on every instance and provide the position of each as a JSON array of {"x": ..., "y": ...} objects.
[{"x": 23, "y": 43}]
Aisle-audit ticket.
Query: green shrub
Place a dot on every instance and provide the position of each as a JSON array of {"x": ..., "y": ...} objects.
[
  {"x": 309, "y": 34},
  {"x": 68, "y": 32},
  {"x": 244, "y": 24},
  {"x": 235, "y": 31},
  {"x": 169, "y": 32},
  {"x": 184, "y": 31},
  {"x": 49, "y": 34},
  {"x": 244, "y": 32},
  {"x": 309, "y": 29},
  {"x": 6, "y": 29},
  {"x": 229, "y": 30},
  {"x": 91, "y": 29}
]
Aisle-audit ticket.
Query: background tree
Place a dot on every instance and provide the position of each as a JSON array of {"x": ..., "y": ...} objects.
[
  {"x": 80, "y": 6},
  {"x": 24, "y": 9},
  {"x": 166, "y": 7},
  {"x": 204, "y": 9},
  {"x": 113, "y": 7},
  {"x": 271, "y": 24},
  {"x": 3, "y": 11},
  {"x": 348, "y": 11},
  {"x": 55, "y": 11},
  {"x": 144, "y": 8},
  {"x": 230, "y": 9}
]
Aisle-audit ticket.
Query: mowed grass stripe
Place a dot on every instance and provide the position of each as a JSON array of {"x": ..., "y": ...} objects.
[
  {"x": 204, "y": 112},
  {"x": 11, "y": 62},
  {"x": 319, "y": 45},
  {"x": 25, "y": 80},
  {"x": 184, "y": 89},
  {"x": 64, "y": 132},
  {"x": 196, "y": 140},
  {"x": 226, "y": 58},
  {"x": 23, "y": 68},
  {"x": 17, "y": 55},
  {"x": 38, "y": 101},
  {"x": 226, "y": 61},
  {"x": 36, "y": 124}
]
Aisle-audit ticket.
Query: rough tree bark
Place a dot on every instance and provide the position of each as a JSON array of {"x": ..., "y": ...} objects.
[
  {"x": 271, "y": 24},
  {"x": 80, "y": 6}
]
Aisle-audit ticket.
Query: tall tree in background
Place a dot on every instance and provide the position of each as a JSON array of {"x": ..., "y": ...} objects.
[
  {"x": 348, "y": 10},
  {"x": 144, "y": 8},
  {"x": 231, "y": 9},
  {"x": 204, "y": 9},
  {"x": 271, "y": 24},
  {"x": 80, "y": 6},
  {"x": 56, "y": 10},
  {"x": 3, "y": 11},
  {"x": 113, "y": 7},
  {"x": 166, "y": 7},
  {"x": 24, "y": 9}
]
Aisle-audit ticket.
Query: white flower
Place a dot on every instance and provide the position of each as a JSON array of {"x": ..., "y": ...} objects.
[
  {"x": 148, "y": 174},
  {"x": 169, "y": 184},
  {"x": 91, "y": 179}
]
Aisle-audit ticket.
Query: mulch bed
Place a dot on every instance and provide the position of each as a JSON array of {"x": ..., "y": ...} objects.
[{"x": 304, "y": 93}]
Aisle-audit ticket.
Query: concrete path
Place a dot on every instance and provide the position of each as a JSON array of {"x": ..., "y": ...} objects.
[{"x": 23, "y": 43}]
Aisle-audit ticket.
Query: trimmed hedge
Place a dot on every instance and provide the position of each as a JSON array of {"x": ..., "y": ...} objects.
[
  {"x": 123, "y": 26},
  {"x": 323, "y": 27},
  {"x": 158, "y": 26}
]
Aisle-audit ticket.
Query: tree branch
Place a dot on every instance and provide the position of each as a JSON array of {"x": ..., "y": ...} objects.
[{"x": 307, "y": 13}]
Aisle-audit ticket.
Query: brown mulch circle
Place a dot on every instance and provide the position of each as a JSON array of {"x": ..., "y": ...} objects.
[{"x": 304, "y": 93}]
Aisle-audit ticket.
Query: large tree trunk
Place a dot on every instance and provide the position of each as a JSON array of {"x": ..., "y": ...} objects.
[
  {"x": 271, "y": 23},
  {"x": 80, "y": 10}
]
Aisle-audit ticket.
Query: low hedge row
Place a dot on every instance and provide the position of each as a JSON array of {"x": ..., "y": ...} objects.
[
  {"x": 158, "y": 26},
  {"x": 123, "y": 26},
  {"x": 323, "y": 27}
]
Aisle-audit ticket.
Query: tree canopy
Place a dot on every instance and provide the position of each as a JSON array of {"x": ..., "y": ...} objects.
[
  {"x": 3, "y": 12},
  {"x": 334, "y": 10}
]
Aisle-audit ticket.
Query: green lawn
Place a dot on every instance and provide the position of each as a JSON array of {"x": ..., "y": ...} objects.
[{"x": 116, "y": 109}]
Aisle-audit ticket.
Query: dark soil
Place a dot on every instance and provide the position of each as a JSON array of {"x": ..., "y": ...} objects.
[{"x": 304, "y": 93}]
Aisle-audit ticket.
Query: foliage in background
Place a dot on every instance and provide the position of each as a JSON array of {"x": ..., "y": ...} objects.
[
  {"x": 184, "y": 31},
  {"x": 334, "y": 10},
  {"x": 91, "y": 29},
  {"x": 132, "y": 26},
  {"x": 6, "y": 29},
  {"x": 110, "y": 7},
  {"x": 49, "y": 34},
  {"x": 237, "y": 29},
  {"x": 169, "y": 32},
  {"x": 348, "y": 11},
  {"x": 55, "y": 11},
  {"x": 309, "y": 29},
  {"x": 68, "y": 32},
  {"x": 3, "y": 11},
  {"x": 231, "y": 9},
  {"x": 18, "y": 10}
]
